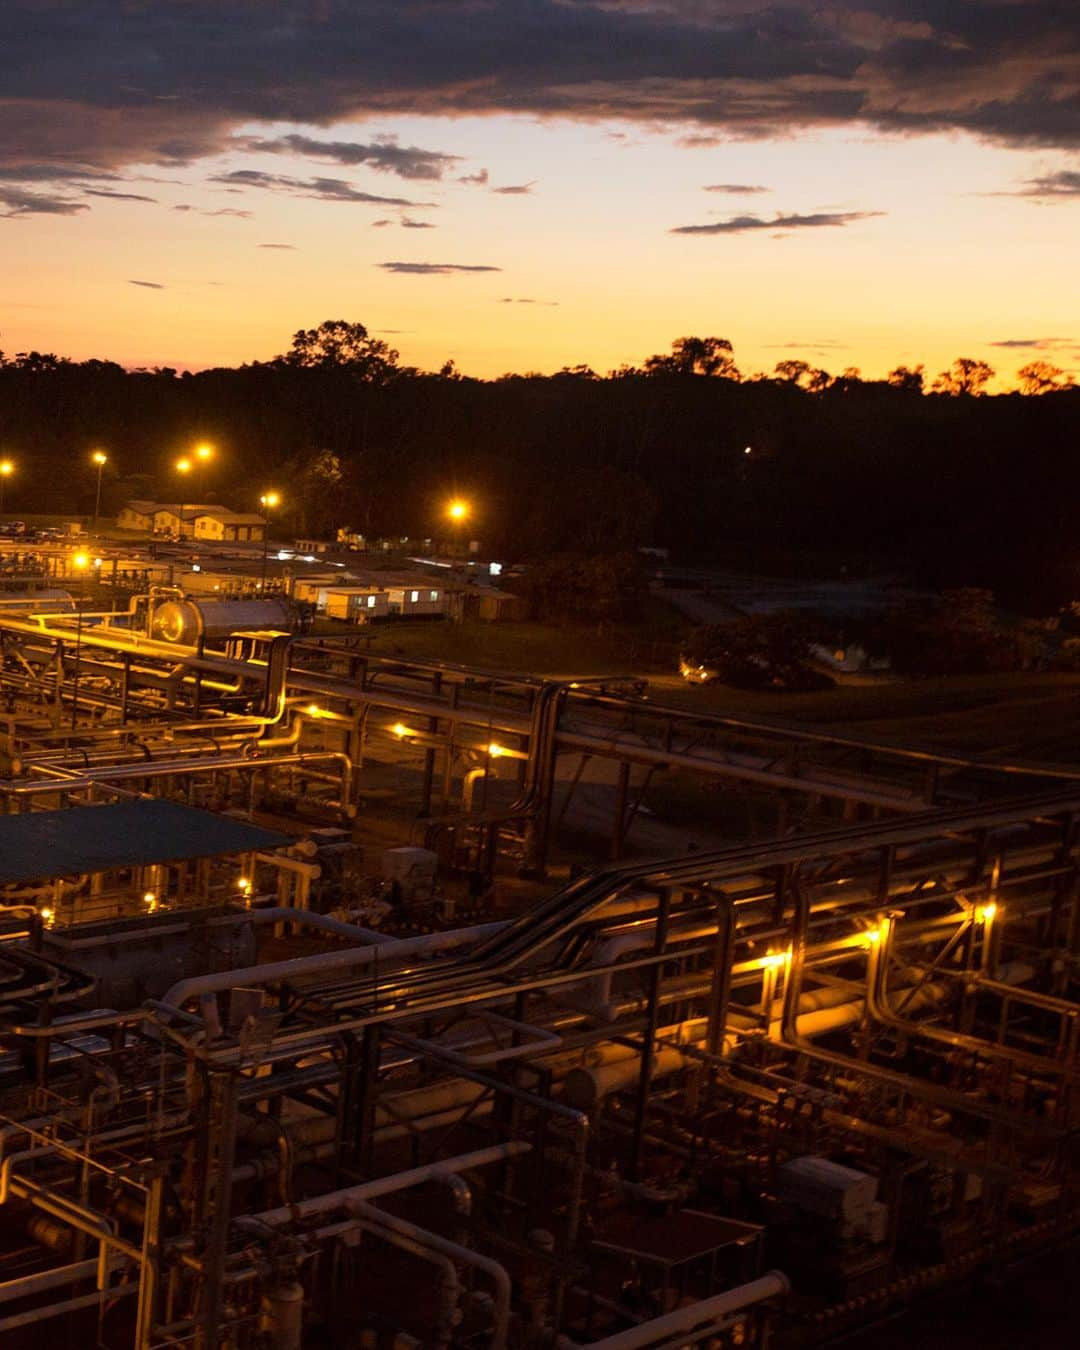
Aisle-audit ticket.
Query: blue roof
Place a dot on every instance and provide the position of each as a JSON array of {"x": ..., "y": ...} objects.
[{"x": 44, "y": 844}]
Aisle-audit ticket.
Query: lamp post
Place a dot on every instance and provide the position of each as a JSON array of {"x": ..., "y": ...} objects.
[
  {"x": 7, "y": 468},
  {"x": 204, "y": 453},
  {"x": 267, "y": 501},
  {"x": 100, "y": 458},
  {"x": 458, "y": 510},
  {"x": 80, "y": 562},
  {"x": 183, "y": 468}
]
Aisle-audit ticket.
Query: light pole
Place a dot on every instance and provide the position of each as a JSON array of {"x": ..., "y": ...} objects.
[
  {"x": 7, "y": 468},
  {"x": 267, "y": 501},
  {"x": 183, "y": 468},
  {"x": 204, "y": 453},
  {"x": 79, "y": 561},
  {"x": 458, "y": 510},
  {"x": 100, "y": 458}
]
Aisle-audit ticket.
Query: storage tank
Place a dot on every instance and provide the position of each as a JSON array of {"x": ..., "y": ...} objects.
[
  {"x": 186, "y": 621},
  {"x": 46, "y": 600}
]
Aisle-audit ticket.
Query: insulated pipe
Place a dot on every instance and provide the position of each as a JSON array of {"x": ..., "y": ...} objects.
[
  {"x": 399, "y": 1181},
  {"x": 456, "y": 1252},
  {"x": 450, "y": 1290},
  {"x": 324, "y": 962},
  {"x": 673, "y": 1325},
  {"x": 305, "y": 918}
]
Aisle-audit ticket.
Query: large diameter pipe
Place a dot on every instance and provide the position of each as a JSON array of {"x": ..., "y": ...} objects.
[
  {"x": 490, "y": 1267},
  {"x": 399, "y": 1181},
  {"x": 324, "y": 962},
  {"x": 661, "y": 1330}
]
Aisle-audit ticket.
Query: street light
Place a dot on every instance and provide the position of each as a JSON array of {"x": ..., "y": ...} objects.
[
  {"x": 458, "y": 510},
  {"x": 80, "y": 562},
  {"x": 268, "y": 501},
  {"x": 6, "y": 470},
  {"x": 100, "y": 458},
  {"x": 183, "y": 468}
]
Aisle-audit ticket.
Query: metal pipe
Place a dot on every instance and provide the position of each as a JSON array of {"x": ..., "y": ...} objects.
[
  {"x": 324, "y": 962},
  {"x": 695, "y": 1316},
  {"x": 457, "y": 1252},
  {"x": 400, "y": 1181}
]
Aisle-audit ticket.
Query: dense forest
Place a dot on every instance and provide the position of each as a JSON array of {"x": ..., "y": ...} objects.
[{"x": 796, "y": 471}]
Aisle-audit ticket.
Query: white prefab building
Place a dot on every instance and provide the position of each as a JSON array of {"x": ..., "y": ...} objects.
[
  {"x": 356, "y": 604},
  {"x": 311, "y": 588},
  {"x": 413, "y": 599},
  {"x": 137, "y": 515},
  {"x": 231, "y": 526}
]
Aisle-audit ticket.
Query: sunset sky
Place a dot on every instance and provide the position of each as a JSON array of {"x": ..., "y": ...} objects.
[{"x": 534, "y": 183}]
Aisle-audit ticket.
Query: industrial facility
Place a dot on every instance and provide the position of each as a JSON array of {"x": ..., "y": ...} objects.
[{"x": 327, "y": 1022}]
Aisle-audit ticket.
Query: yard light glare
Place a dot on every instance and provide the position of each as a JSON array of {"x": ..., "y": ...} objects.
[
  {"x": 80, "y": 560},
  {"x": 495, "y": 750},
  {"x": 204, "y": 452},
  {"x": 400, "y": 730},
  {"x": 150, "y": 901},
  {"x": 458, "y": 509},
  {"x": 270, "y": 499},
  {"x": 183, "y": 466},
  {"x": 99, "y": 457},
  {"x": 775, "y": 959},
  {"x": 986, "y": 913}
]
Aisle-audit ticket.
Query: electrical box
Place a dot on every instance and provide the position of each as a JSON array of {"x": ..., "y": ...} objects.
[{"x": 413, "y": 871}]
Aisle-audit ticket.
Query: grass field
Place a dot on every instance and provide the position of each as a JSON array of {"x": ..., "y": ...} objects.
[{"x": 1029, "y": 715}]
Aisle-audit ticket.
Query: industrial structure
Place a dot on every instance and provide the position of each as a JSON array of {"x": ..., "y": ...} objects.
[{"x": 773, "y": 1089}]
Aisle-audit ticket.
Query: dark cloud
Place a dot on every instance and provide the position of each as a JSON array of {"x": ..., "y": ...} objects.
[
  {"x": 409, "y": 224},
  {"x": 17, "y": 201},
  {"x": 747, "y": 224},
  {"x": 735, "y": 189},
  {"x": 51, "y": 173},
  {"x": 527, "y": 300},
  {"x": 478, "y": 179},
  {"x": 383, "y": 154},
  {"x": 107, "y": 84},
  {"x": 1063, "y": 183},
  {"x": 515, "y": 190},
  {"x": 323, "y": 189},
  {"x": 426, "y": 269},
  {"x": 701, "y": 140},
  {"x": 221, "y": 211},
  {"x": 118, "y": 196},
  {"x": 1037, "y": 344},
  {"x": 149, "y": 285},
  {"x": 290, "y": 247}
]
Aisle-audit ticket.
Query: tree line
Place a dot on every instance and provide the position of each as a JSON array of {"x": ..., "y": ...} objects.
[{"x": 798, "y": 470}]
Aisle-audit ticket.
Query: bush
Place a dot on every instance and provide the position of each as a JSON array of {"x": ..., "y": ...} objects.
[{"x": 757, "y": 651}]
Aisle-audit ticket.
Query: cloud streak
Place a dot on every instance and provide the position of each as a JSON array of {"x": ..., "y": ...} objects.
[
  {"x": 427, "y": 269},
  {"x": 735, "y": 189},
  {"x": 17, "y": 201},
  {"x": 118, "y": 196},
  {"x": 384, "y": 154},
  {"x": 1065, "y": 183},
  {"x": 322, "y": 189},
  {"x": 817, "y": 220},
  {"x": 148, "y": 285}
]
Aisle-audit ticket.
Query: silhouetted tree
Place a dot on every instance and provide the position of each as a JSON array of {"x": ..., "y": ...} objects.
[
  {"x": 339, "y": 345},
  {"x": 908, "y": 378},
  {"x": 1039, "y": 377},
  {"x": 696, "y": 356},
  {"x": 964, "y": 376}
]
